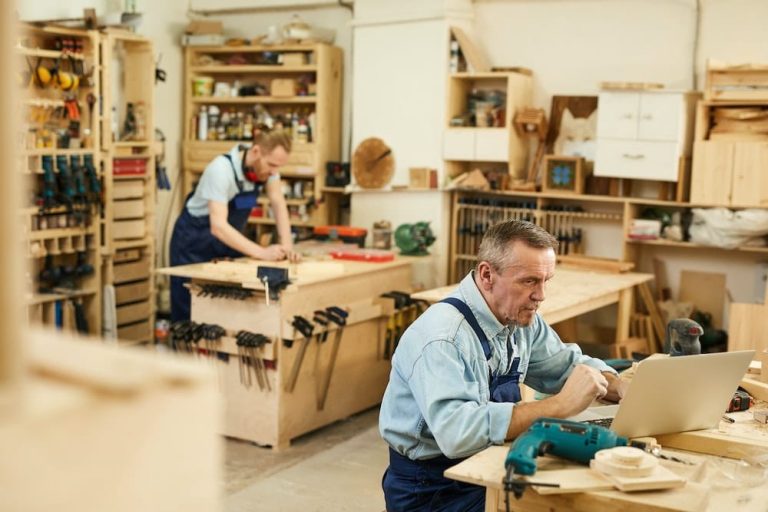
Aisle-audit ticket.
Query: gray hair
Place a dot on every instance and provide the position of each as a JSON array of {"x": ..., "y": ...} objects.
[{"x": 494, "y": 247}]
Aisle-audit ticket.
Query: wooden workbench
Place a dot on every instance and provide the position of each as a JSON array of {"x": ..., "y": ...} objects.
[
  {"x": 273, "y": 417},
  {"x": 573, "y": 292}
]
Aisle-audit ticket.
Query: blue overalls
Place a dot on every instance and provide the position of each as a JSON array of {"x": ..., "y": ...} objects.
[
  {"x": 419, "y": 485},
  {"x": 192, "y": 241}
]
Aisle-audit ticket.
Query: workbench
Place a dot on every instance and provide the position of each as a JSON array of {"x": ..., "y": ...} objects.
[
  {"x": 575, "y": 291},
  {"x": 275, "y": 415},
  {"x": 712, "y": 452}
]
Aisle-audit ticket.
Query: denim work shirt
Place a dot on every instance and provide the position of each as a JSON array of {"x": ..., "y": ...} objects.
[{"x": 438, "y": 399}]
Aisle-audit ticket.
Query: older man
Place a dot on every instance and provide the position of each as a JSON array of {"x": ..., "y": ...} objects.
[{"x": 454, "y": 386}]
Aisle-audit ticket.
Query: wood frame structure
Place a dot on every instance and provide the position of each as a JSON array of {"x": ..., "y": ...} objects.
[{"x": 128, "y": 76}]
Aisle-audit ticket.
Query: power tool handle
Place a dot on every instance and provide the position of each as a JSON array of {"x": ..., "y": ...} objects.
[{"x": 523, "y": 452}]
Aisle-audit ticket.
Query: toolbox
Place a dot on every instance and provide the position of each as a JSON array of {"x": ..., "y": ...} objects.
[
  {"x": 125, "y": 166},
  {"x": 347, "y": 234}
]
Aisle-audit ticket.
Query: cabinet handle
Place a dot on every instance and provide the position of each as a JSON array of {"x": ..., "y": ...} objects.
[{"x": 636, "y": 156}]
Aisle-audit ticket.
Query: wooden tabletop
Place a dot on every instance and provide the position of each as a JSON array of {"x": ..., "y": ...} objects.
[
  {"x": 571, "y": 292},
  {"x": 243, "y": 271}
]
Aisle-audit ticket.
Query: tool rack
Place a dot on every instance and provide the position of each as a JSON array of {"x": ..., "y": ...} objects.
[
  {"x": 286, "y": 408},
  {"x": 60, "y": 217}
]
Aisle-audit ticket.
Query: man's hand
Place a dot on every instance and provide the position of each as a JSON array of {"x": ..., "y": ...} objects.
[
  {"x": 583, "y": 385},
  {"x": 290, "y": 254},
  {"x": 273, "y": 253},
  {"x": 617, "y": 388}
]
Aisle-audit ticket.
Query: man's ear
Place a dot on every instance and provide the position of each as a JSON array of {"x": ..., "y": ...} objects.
[
  {"x": 484, "y": 275},
  {"x": 255, "y": 151}
]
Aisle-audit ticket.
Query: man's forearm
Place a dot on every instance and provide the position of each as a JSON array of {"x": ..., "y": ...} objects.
[
  {"x": 283, "y": 223},
  {"x": 234, "y": 239},
  {"x": 525, "y": 413}
]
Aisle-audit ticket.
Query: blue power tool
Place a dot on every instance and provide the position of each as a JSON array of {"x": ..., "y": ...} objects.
[{"x": 567, "y": 439}]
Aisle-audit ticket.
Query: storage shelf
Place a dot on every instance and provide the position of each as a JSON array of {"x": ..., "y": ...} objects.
[
  {"x": 131, "y": 144},
  {"x": 254, "y": 68},
  {"x": 49, "y": 234},
  {"x": 43, "y": 298},
  {"x": 49, "y": 54},
  {"x": 251, "y": 100},
  {"x": 255, "y": 48},
  {"x": 56, "y": 151},
  {"x": 487, "y": 75},
  {"x": 689, "y": 245},
  {"x": 271, "y": 222}
]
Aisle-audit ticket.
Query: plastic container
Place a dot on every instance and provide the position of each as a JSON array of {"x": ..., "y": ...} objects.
[{"x": 202, "y": 86}]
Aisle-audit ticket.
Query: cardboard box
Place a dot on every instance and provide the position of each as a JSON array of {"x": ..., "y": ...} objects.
[
  {"x": 283, "y": 87},
  {"x": 422, "y": 177},
  {"x": 199, "y": 27}
]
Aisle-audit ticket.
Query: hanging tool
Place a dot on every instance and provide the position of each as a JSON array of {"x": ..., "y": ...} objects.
[
  {"x": 306, "y": 328},
  {"x": 570, "y": 440},
  {"x": 50, "y": 185},
  {"x": 94, "y": 185},
  {"x": 339, "y": 317}
]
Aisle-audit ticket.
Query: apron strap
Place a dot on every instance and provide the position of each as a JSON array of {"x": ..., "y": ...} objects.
[
  {"x": 472, "y": 321},
  {"x": 238, "y": 182}
]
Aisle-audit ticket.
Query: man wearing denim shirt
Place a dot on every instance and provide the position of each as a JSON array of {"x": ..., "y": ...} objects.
[{"x": 454, "y": 385}]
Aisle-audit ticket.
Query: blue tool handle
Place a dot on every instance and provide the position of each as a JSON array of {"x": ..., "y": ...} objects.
[{"x": 523, "y": 452}]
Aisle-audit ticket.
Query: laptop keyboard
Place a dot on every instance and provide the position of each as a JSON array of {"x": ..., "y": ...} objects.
[{"x": 603, "y": 422}]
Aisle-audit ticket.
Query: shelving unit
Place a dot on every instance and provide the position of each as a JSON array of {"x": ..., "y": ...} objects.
[
  {"x": 315, "y": 71},
  {"x": 58, "y": 135},
  {"x": 472, "y": 212},
  {"x": 128, "y": 77},
  {"x": 487, "y": 138}
]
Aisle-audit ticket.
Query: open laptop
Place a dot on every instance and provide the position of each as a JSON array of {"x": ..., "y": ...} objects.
[{"x": 674, "y": 394}]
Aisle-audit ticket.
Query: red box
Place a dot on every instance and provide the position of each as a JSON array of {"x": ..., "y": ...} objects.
[
  {"x": 347, "y": 234},
  {"x": 124, "y": 166}
]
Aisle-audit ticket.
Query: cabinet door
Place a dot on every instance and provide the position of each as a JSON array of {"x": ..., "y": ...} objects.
[
  {"x": 712, "y": 174},
  {"x": 617, "y": 115},
  {"x": 661, "y": 117},
  {"x": 642, "y": 160},
  {"x": 750, "y": 174},
  {"x": 459, "y": 144},
  {"x": 492, "y": 145}
]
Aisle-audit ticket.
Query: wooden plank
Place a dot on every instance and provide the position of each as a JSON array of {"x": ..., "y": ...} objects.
[
  {"x": 706, "y": 291},
  {"x": 750, "y": 181},
  {"x": 747, "y": 327},
  {"x": 712, "y": 175},
  {"x": 125, "y": 272},
  {"x": 476, "y": 59},
  {"x": 653, "y": 311},
  {"x": 139, "y": 331},
  {"x": 604, "y": 264},
  {"x": 128, "y": 189},
  {"x": 129, "y": 229},
  {"x": 130, "y": 209},
  {"x": 132, "y": 292}
]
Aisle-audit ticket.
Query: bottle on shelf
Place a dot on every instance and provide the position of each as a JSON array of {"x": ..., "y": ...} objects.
[
  {"x": 202, "y": 124},
  {"x": 454, "y": 60}
]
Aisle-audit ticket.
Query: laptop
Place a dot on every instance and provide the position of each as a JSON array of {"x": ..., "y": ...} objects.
[{"x": 674, "y": 394}]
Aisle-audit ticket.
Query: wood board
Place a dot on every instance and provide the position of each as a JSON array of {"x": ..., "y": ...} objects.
[
  {"x": 747, "y": 327},
  {"x": 706, "y": 291},
  {"x": 476, "y": 59}
]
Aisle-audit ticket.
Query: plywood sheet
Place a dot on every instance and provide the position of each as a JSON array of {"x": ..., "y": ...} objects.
[
  {"x": 748, "y": 327},
  {"x": 706, "y": 291}
]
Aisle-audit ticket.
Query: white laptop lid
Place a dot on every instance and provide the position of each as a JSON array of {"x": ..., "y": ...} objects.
[{"x": 676, "y": 394}]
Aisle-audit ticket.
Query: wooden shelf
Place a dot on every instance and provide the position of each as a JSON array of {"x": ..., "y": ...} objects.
[
  {"x": 131, "y": 144},
  {"x": 335, "y": 190},
  {"x": 57, "y": 151},
  {"x": 486, "y": 75},
  {"x": 271, "y": 222},
  {"x": 42, "y": 298},
  {"x": 49, "y": 234},
  {"x": 251, "y": 100},
  {"x": 289, "y": 202},
  {"x": 255, "y": 68},
  {"x": 255, "y": 48},
  {"x": 689, "y": 245},
  {"x": 48, "y": 54}
]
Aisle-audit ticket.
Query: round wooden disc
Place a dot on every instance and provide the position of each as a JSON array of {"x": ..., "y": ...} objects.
[{"x": 373, "y": 163}]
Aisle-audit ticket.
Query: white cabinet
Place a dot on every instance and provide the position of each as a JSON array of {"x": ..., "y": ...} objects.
[
  {"x": 479, "y": 144},
  {"x": 643, "y": 135}
]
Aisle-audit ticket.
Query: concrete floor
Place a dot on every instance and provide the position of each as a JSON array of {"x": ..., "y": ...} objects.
[{"x": 336, "y": 468}]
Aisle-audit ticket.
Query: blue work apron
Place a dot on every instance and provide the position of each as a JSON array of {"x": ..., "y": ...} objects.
[
  {"x": 419, "y": 485},
  {"x": 192, "y": 241}
]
